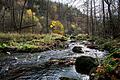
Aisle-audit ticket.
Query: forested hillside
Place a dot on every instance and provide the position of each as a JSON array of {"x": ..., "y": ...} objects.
[{"x": 33, "y": 16}]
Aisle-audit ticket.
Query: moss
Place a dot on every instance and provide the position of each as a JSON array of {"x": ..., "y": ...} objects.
[
  {"x": 82, "y": 37},
  {"x": 111, "y": 62},
  {"x": 109, "y": 66},
  {"x": 30, "y": 42}
]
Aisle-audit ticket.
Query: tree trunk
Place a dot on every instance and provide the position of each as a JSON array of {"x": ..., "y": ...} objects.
[
  {"x": 112, "y": 25},
  {"x": 118, "y": 17},
  {"x": 13, "y": 19},
  {"x": 92, "y": 24},
  {"x": 88, "y": 17},
  {"x": 119, "y": 11},
  {"x": 47, "y": 17},
  {"x": 22, "y": 15},
  {"x": 94, "y": 3},
  {"x": 103, "y": 9}
]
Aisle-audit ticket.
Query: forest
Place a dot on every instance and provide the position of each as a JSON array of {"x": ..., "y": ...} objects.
[{"x": 59, "y": 39}]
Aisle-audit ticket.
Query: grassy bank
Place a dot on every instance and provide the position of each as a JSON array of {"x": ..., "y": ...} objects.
[
  {"x": 103, "y": 43},
  {"x": 109, "y": 68},
  {"x": 15, "y": 42}
]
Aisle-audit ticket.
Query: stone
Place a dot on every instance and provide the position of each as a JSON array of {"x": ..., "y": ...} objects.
[
  {"x": 66, "y": 78},
  {"x": 77, "y": 49},
  {"x": 72, "y": 37},
  {"x": 85, "y": 64},
  {"x": 72, "y": 41},
  {"x": 92, "y": 46}
]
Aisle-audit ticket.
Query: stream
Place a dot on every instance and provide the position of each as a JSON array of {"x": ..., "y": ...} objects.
[{"x": 48, "y": 65}]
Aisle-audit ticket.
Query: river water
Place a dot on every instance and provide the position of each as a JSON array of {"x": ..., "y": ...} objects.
[{"x": 48, "y": 65}]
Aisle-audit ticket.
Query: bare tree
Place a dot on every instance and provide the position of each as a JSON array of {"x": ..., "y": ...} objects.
[
  {"x": 22, "y": 15},
  {"x": 88, "y": 16},
  {"x": 119, "y": 12},
  {"x": 112, "y": 26},
  {"x": 47, "y": 16},
  {"x": 91, "y": 16},
  {"x": 13, "y": 19},
  {"x": 94, "y": 3},
  {"x": 103, "y": 11}
]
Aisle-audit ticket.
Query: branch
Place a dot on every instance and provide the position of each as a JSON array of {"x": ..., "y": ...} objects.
[
  {"x": 107, "y": 2},
  {"x": 26, "y": 26}
]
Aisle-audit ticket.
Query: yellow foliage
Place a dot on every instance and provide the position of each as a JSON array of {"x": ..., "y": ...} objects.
[
  {"x": 54, "y": 8},
  {"x": 57, "y": 27},
  {"x": 73, "y": 26},
  {"x": 29, "y": 12},
  {"x": 30, "y": 16},
  {"x": 36, "y": 19}
]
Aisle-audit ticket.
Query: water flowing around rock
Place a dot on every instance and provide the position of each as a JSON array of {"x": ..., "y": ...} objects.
[{"x": 48, "y": 65}]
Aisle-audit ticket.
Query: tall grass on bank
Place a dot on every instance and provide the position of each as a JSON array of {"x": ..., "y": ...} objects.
[{"x": 27, "y": 41}]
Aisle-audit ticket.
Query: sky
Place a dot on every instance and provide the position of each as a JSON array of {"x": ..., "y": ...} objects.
[{"x": 77, "y": 3}]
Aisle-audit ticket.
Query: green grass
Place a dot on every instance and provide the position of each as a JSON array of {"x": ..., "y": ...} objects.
[
  {"x": 28, "y": 41},
  {"x": 82, "y": 37}
]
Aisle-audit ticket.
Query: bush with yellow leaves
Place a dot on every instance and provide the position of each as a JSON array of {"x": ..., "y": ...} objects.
[
  {"x": 57, "y": 27},
  {"x": 30, "y": 16}
]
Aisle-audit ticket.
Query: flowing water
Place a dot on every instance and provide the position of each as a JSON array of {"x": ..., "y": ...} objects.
[{"x": 48, "y": 65}]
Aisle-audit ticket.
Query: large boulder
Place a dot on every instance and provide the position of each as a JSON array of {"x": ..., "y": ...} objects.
[
  {"x": 77, "y": 49},
  {"x": 85, "y": 64}
]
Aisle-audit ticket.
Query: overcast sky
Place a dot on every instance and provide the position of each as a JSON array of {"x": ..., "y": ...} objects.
[{"x": 77, "y": 3}]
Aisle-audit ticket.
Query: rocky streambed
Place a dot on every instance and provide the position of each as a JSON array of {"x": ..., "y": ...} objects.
[{"x": 48, "y": 65}]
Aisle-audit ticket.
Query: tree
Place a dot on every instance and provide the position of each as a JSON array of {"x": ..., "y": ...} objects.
[
  {"x": 22, "y": 15},
  {"x": 88, "y": 17},
  {"x": 119, "y": 17},
  {"x": 103, "y": 11},
  {"x": 57, "y": 27},
  {"x": 112, "y": 25},
  {"x": 47, "y": 16},
  {"x": 13, "y": 19},
  {"x": 91, "y": 16}
]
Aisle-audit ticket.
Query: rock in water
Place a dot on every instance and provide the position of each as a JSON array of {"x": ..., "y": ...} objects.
[
  {"x": 72, "y": 37},
  {"x": 92, "y": 46},
  {"x": 66, "y": 78},
  {"x": 85, "y": 64},
  {"x": 77, "y": 49}
]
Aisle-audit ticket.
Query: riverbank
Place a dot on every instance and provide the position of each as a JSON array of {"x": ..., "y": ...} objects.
[
  {"x": 109, "y": 68},
  {"x": 15, "y": 42},
  {"x": 47, "y": 65},
  {"x": 30, "y": 43}
]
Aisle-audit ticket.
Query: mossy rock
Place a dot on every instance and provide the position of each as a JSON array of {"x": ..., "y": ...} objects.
[{"x": 85, "y": 64}]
